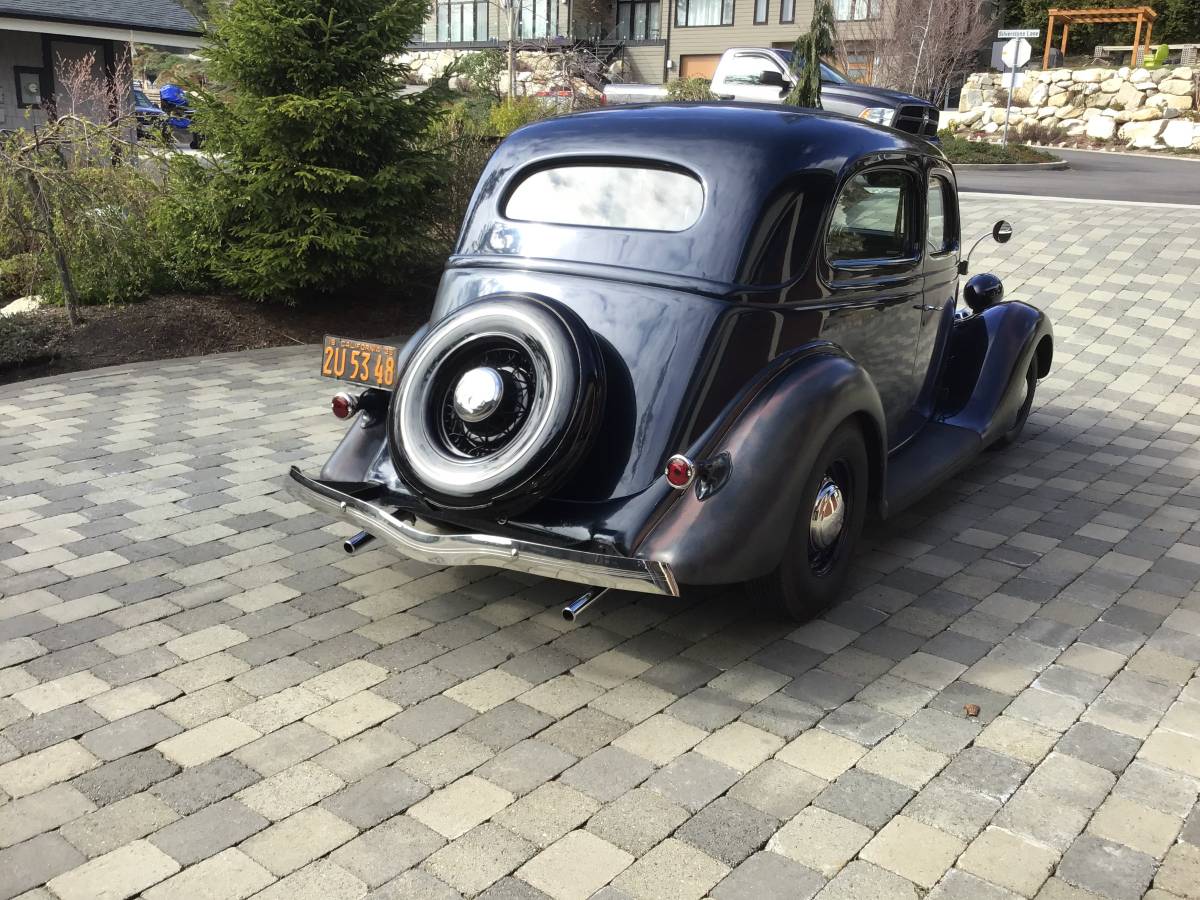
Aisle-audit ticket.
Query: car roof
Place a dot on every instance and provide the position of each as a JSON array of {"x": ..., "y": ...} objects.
[{"x": 742, "y": 152}]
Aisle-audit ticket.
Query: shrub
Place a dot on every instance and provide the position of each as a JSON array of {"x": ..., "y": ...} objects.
[
  {"x": 962, "y": 151},
  {"x": 113, "y": 252},
  {"x": 25, "y": 338},
  {"x": 18, "y": 276},
  {"x": 463, "y": 140},
  {"x": 319, "y": 179},
  {"x": 1040, "y": 133},
  {"x": 483, "y": 70},
  {"x": 690, "y": 89},
  {"x": 75, "y": 197},
  {"x": 513, "y": 112}
]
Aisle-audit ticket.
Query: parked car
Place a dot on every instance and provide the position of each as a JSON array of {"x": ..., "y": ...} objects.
[
  {"x": 151, "y": 121},
  {"x": 764, "y": 75},
  {"x": 684, "y": 345}
]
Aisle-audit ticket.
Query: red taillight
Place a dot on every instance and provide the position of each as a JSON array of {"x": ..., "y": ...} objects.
[
  {"x": 344, "y": 406},
  {"x": 680, "y": 471}
]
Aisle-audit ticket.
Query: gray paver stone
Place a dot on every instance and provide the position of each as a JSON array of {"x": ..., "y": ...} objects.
[
  {"x": 692, "y": 781},
  {"x": 128, "y": 735},
  {"x": 379, "y": 796},
  {"x": 208, "y": 831},
  {"x": 388, "y": 849},
  {"x": 35, "y": 862},
  {"x": 1107, "y": 868},
  {"x": 769, "y": 875},
  {"x": 865, "y": 798},
  {"x": 608, "y": 773},
  {"x": 125, "y": 777},
  {"x": 728, "y": 830}
]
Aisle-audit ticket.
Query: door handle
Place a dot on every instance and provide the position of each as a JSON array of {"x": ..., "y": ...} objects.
[{"x": 925, "y": 308}]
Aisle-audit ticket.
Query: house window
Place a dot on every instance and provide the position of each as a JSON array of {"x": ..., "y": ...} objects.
[
  {"x": 462, "y": 20},
  {"x": 539, "y": 18},
  {"x": 637, "y": 20},
  {"x": 703, "y": 12},
  {"x": 856, "y": 10},
  {"x": 29, "y": 87},
  {"x": 787, "y": 12},
  {"x": 761, "y": 11}
]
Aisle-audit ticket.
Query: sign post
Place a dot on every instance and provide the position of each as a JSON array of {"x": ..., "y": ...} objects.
[{"x": 1015, "y": 54}]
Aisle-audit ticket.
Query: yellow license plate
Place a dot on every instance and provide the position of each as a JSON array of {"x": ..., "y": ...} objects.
[{"x": 360, "y": 362}]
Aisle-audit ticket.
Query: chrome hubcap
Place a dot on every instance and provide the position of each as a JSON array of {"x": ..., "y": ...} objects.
[
  {"x": 828, "y": 515},
  {"x": 478, "y": 393}
]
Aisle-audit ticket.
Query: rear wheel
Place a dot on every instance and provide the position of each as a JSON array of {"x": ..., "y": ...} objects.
[
  {"x": 1010, "y": 437},
  {"x": 833, "y": 507}
]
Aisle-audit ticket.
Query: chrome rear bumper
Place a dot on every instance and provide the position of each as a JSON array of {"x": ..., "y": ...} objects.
[{"x": 438, "y": 549}]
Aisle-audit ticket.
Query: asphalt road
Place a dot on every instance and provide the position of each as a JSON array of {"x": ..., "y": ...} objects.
[{"x": 1098, "y": 176}]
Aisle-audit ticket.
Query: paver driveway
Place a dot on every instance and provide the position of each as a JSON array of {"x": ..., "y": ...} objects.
[{"x": 202, "y": 696}]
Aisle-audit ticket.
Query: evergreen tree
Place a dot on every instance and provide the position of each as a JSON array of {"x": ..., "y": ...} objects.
[
  {"x": 807, "y": 53},
  {"x": 319, "y": 181}
]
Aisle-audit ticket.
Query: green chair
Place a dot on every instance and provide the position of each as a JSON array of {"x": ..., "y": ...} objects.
[{"x": 1159, "y": 59}]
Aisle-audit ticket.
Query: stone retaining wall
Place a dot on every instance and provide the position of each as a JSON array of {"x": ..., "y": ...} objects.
[
  {"x": 536, "y": 70},
  {"x": 1137, "y": 108}
]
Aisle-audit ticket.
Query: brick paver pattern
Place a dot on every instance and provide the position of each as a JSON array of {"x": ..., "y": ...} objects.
[{"x": 202, "y": 695}]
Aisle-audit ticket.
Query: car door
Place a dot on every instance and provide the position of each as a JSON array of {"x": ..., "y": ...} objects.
[
  {"x": 940, "y": 265},
  {"x": 873, "y": 259},
  {"x": 741, "y": 78}
]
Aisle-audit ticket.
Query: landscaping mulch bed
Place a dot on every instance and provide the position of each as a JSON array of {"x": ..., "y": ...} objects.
[{"x": 39, "y": 344}]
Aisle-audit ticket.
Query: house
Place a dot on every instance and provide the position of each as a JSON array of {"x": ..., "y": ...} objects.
[
  {"x": 39, "y": 38},
  {"x": 657, "y": 40}
]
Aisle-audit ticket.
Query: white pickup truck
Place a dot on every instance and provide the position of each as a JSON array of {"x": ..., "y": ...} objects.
[{"x": 764, "y": 75}]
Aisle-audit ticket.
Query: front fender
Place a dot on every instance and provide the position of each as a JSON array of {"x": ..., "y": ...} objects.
[
  {"x": 989, "y": 354},
  {"x": 772, "y": 438}
]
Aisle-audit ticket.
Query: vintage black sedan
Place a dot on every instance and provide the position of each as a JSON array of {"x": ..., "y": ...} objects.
[{"x": 684, "y": 344}]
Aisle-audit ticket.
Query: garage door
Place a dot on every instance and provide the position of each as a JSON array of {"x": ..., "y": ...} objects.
[{"x": 699, "y": 66}]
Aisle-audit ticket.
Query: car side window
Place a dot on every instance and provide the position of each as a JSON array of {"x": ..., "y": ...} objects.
[
  {"x": 746, "y": 68},
  {"x": 872, "y": 218},
  {"x": 939, "y": 226}
]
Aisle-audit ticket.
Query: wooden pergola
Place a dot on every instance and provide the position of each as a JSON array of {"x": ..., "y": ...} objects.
[{"x": 1131, "y": 15}]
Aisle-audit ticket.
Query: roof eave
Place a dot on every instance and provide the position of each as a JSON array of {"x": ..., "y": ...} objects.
[{"x": 117, "y": 31}]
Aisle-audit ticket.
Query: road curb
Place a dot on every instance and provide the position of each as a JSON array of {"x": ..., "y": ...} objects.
[
  {"x": 1086, "y": 201},
  {"x": 1056, "y": 165}
]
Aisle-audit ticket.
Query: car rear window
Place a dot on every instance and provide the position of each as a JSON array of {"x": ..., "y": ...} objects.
[{"x": 606, "y": 195}]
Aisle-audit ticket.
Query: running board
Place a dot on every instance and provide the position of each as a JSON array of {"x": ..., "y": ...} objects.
[{"x": 937, "y": 452}]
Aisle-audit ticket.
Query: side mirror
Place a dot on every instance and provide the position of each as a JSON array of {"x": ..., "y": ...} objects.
[
  {"x": 1002, "y": 233},
  {"x": 982, "y": 291},
  {"x": 772, "y": 78}
]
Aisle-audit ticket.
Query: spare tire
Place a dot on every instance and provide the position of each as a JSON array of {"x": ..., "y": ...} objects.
[{"x": 497, "y": 404}]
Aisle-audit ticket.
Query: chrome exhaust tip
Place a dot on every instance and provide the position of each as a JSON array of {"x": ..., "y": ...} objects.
[
  {"x": 578, "y": 607},
  {"x": 358, "y": 541}
]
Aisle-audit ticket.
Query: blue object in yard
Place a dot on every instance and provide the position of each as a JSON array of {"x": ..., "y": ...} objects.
[
  {"x": 173, "y": 94},
  {"x": 175, "y": 104}
]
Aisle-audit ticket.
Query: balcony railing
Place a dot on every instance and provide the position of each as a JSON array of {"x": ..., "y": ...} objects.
[{"x": 587, "y": 33}]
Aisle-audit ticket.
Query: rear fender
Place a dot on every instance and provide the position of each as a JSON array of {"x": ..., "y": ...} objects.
[
  {"x": 988, "y": 357},
  {"x": 356, "y": 455},
  {"x": 772, "y": 438}
]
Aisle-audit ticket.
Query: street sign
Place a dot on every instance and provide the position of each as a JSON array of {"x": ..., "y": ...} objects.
[
  {"x": 1016, "y": 53},
  {"x": 1018, "y": 33}
]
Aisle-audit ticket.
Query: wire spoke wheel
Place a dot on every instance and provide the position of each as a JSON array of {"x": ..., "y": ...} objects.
[{"x": 494, "y": 431}]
